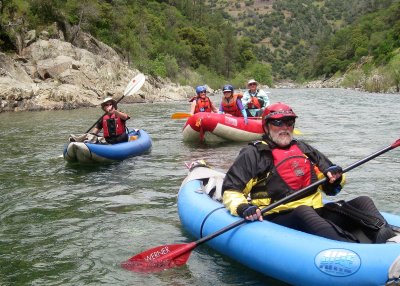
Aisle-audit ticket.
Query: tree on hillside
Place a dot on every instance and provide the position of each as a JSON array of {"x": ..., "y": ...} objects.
[
  {"x": 196, "y": 39},
  {"x": 13, "y": 26},
  {"x": 230, "y": 52},
  {"x": 81, "y": 16},
  {"x": 246, "y": 52}
]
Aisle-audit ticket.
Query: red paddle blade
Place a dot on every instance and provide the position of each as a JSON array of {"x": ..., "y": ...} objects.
[
  {"x": 396, "y": 143},
  {"x": 159, "y": 258}
]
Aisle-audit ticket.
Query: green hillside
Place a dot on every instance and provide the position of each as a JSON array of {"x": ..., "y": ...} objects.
[
  {"x": 213, "y": 42},
  {"x": 294, "y": 35}
]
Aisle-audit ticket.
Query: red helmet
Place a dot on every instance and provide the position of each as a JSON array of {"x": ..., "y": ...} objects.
[{"x": 277, "y": 111}]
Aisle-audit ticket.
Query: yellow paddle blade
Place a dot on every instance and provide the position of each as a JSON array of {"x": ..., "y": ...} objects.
[
  {"x": 297, "y": 132},
  {"x": 180, "y": 115}
]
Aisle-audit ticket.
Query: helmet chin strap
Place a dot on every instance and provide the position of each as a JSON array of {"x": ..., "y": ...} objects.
[{"x": 267, "y": 133}]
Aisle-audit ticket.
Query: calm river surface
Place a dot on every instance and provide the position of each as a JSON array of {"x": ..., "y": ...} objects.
[{"x": 62, "y": 224}]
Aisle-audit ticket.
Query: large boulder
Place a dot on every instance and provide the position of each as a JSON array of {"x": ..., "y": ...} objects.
[{"x": 54, "y": 74}]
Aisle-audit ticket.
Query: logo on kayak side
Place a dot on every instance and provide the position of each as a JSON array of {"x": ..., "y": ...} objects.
[
  {"x": 338, "y": 262},
  {"x": 198, "y": 122}
]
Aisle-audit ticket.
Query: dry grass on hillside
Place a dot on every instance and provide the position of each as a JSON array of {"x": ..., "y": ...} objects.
[{"x": 236, "y": 8}]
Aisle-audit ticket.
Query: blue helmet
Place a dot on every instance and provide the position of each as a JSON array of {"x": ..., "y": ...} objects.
[
  {"x": 200, "y": 88},
  {"x": 227, "y": 87}
]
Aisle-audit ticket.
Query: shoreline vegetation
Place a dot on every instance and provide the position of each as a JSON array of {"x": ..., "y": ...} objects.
[
  {"x": 66, "y": 55},
  {"x": 52, "y": 74}
]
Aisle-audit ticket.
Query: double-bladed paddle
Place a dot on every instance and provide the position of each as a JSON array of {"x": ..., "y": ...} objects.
[
  {"x": 167, "y": 256},
  {"x": 133, "y": 86}
]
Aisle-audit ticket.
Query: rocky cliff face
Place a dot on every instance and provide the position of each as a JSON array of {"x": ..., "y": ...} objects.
[{"x": 54, "y": 74}]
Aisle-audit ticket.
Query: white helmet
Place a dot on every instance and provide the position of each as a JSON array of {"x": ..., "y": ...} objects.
[{"x": 107, "y": 100}]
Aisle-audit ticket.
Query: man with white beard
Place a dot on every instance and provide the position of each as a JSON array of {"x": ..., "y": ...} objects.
[{"x": 267, "y": 171}]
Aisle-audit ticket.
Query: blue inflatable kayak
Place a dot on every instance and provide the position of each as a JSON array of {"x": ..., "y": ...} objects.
[
  {"x": 139, "y": 143},
  {"x": 285, "y": 254}
]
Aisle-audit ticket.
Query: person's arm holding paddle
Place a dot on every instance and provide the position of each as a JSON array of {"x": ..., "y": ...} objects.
[
  {"x": 192, "y": 107},
  {"x": 236, "y": 186},
  {"x": 118, "y": 113},
  {"x": 278, "y": 167},
  {"x": 112, "y": 123}
]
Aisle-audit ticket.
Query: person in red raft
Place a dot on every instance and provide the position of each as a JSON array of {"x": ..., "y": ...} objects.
[
  {"x": 232, "y": 104},
  {"x": 201, "y": 102},
  {"x": 112, "y": 123},
  {"x": 269, "y": 170}
]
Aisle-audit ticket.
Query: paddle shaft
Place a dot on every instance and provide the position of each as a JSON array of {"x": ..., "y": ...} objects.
[{"x": 297, "y": 194}]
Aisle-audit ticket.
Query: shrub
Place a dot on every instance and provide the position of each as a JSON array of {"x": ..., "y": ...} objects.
[
  {"x": 354, "y": 79},
  {"x": 378, "y": 81}
]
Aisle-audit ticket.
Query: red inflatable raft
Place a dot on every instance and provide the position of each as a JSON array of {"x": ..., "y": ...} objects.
[{"x": 214, "y": 127}]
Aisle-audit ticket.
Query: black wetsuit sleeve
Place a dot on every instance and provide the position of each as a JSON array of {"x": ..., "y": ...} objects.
[{"x": 246, "y": 167}]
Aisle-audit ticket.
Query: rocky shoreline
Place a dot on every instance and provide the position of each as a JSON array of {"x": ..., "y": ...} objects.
[
  {"x": 312, "y": 84},
  {"x": 52, "y": 74}
]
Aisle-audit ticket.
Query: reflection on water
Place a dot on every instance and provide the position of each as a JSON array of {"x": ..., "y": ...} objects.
[{"x": 65, "y": 224}]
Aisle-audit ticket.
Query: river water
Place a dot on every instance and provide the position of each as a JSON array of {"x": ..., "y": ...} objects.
[{"x": 64, "y": 224}]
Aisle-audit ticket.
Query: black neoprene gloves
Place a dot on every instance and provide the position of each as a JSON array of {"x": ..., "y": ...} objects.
[{"x": 244, "y": 210}]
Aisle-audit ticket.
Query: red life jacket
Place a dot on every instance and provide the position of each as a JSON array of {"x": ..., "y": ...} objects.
[
  {"x": 231, "y": 107},
  {"x": 112, "y": 125},
  {"x": 254, "y": 103},
  {"x": 293, "y": 167},
  {"x": 202, "y": 104},
  {"x": 292, "y": 171}
]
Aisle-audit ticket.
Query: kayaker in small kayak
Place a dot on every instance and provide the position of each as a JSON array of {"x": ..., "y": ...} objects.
[
  {"x": 269, "y": 170},
  {"x": 254, "y": 99},
  {"x": 231, "y": 103},
  {"x": 112, "y": 123},
  {"x": 201, "y": 102}
]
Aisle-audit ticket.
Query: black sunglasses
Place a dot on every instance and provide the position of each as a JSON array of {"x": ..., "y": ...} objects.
[{"x": 281, "y": 122}]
